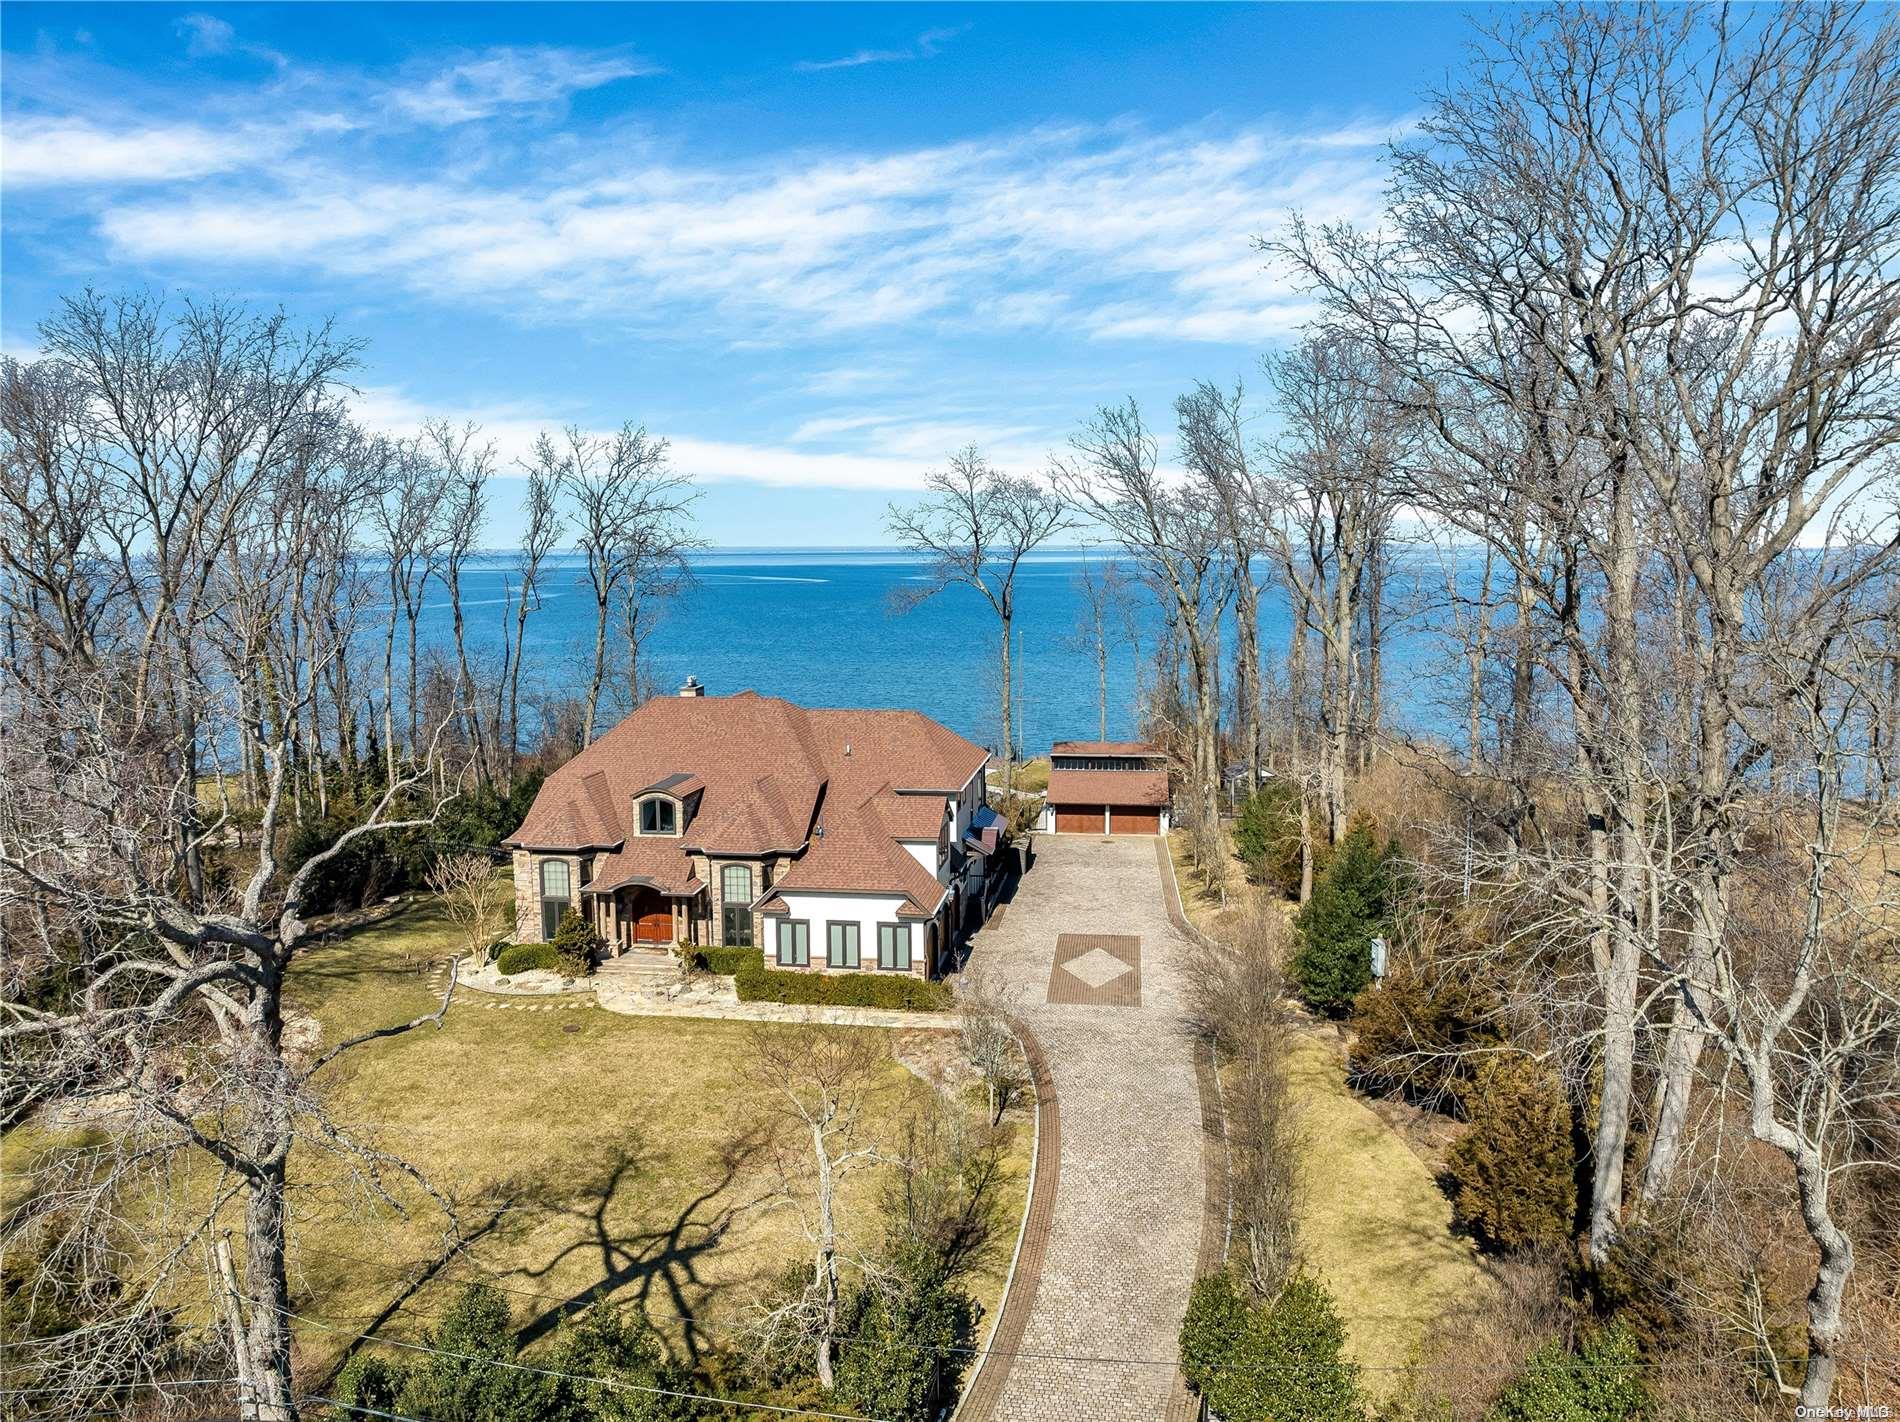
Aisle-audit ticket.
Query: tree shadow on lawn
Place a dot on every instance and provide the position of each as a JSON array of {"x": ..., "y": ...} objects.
[
  {"x": 424, "y": 1275},
  {"x": 664, "y": 1259}
]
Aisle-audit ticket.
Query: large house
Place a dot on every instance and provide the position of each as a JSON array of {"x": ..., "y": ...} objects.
[
  {"x": 833, "y": 840},
  {"x": 1106, "y": 787}
]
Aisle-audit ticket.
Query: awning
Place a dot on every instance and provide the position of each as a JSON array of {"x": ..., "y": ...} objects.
[{"x": 985, "y": 832}]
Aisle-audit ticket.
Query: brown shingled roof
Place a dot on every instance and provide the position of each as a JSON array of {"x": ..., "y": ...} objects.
[
  {"x": 1129, "y": 748},
  {"x": 1108, "y": 787},
  {"x": 766, "y": 772}
]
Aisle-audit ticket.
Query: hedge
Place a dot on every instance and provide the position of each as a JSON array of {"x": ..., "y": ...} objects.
[
  {"x": 758, "y": 983},
  {"x": 727, "y": 960},
  {"x": 523, "y": 957}
]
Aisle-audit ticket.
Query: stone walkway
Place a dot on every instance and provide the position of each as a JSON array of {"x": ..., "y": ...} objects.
[{"x": 1088, "y": 947}]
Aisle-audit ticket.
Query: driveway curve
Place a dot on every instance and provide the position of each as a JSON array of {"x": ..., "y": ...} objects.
[{"x": 1097, "y": 970}]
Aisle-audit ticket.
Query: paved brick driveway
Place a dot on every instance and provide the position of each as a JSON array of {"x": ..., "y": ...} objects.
[{"x": 1121, "y": 1244}]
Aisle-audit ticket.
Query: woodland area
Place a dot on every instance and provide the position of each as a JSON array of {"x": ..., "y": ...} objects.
[
  {"x": 1621, "y": 359},
  {"x": 1620, "y": 366}
]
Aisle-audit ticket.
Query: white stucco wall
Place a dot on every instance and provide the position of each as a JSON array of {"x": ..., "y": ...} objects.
[
  {"x": 865, "y": 910},
  {"x": 924, "y": 851}
]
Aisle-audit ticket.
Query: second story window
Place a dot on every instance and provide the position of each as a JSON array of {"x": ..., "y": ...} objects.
[{"x": 658, "y": 817}]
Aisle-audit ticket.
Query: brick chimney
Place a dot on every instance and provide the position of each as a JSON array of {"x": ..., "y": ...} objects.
[{"x": 692, "y": 687}]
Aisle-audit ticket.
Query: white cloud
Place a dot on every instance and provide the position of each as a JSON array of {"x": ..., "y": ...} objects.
[
  {"x": 207, "y": 36},
  {"x": 1114, "y": 232},
  {"x": 75, "y": 151},
  {"x": 925, "y": 46},
  {"x": 506, "y": 78},
  {"x": 886, "y": 451}
]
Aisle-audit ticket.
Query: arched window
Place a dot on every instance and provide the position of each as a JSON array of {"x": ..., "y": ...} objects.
[
  {"x": 735, "y": 913},
  {"x": 657, "y": 816}
]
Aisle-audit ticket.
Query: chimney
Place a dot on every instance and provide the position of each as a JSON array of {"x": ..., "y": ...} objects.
[{"x": 692, "y": 687}]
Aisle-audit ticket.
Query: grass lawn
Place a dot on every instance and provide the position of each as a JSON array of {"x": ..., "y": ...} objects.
[
  {"x": 1032, "y": 776},
  {"x": 583, "y": 1151},
  {"x": 1373, "y": 1222}
]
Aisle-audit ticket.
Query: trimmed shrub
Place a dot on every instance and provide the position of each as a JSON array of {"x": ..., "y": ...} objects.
[
  {"x": 614, "y": 1363},
  {"x": 1211, "y": 1330},
  {"x": 1347, "y": 911},
  {"x": 371, "y": 1381},
  {"x": 727, "y": 960},
  {"x": 904, "y": 991},
  {"x": 1513, "y": 1168},
  {"x": 1279, "y": 1362},
  {"x": 900, "y": 1359},
  {"x": 1601, "y": 1382},
  {"x": 522, "y": 957},
  {"x": 577, "y": 943},
  {"x": 623, "y": 1357},
  {"x": 460, "y": 1379},
  {"x": 1267, "y": 837}
]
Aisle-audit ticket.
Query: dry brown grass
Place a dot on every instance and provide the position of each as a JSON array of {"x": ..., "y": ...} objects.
[{"x": 585, "y": 1153}]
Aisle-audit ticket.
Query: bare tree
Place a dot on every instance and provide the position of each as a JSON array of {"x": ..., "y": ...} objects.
[
  {"x": 1649, "y": 377},
  {"x": 985, "y": 1006},
  {"x": 465, "y": 468},
  {"x": 816, "y": 1082},
  {"x": 538, "y": 541},
  {"x": 628, "y": 506},
  {"x": 1215, "y": 448},
  {"x": 976, "y": 526},
  {"x": 409, "y": 519},
  {"x": 1106, "y": 617},
  {"x": 1112, "y": 475},
  {"x": 474, "y": 896},
  {"x": 1238, "y": 1000},
  {"x": 1325, "y": 512}
]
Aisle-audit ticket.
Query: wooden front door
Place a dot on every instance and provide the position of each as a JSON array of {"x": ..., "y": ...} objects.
[
  {"x": 654, "y": 927},
  {"x": 1127, "y": 820},
  {"x": 1078, "y": 819}
]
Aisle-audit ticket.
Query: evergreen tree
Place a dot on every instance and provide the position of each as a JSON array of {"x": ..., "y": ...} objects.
[
  {"x": 1347, "y": 911},
  {"x": 1516, "y": 1181}
]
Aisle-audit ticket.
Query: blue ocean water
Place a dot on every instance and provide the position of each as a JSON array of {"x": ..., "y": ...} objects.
[{"x": 819, "y": 627}]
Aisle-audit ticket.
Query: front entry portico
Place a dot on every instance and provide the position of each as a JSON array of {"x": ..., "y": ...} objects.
[{"x": 640, "y": 916}]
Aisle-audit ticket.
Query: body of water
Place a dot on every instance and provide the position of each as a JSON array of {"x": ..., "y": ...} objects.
[{"x": 818, "y": 627}]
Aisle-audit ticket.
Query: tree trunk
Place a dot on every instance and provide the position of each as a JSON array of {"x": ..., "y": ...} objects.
[
  {"x": 470, "y": 708},
  {"x": 826, "y": 1265},
  {"x": 1006, "y": 614},
  {"x": 1372, "y": 676},
  {"x": 1101, "y": 680},
  {"x": 514, "y": 681},
  {"x": 1247, "y": 655},
  {"x": 600, "y": 670},
  {"x": 267, "y": 1286}
]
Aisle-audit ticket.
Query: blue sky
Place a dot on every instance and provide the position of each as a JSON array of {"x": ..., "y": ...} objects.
[{"x": 817, "y": 247}]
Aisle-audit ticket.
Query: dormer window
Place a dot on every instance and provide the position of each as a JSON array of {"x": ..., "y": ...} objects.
[{"x": 659, "y": 816}]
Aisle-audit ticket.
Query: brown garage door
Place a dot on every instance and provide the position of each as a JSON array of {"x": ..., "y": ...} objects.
[
  {"x": 1128, "y": 820},
  {"x": 1078, "y": 819}
]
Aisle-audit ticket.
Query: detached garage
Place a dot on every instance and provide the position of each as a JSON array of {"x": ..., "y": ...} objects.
[{"x": 1106, "y": 787}]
